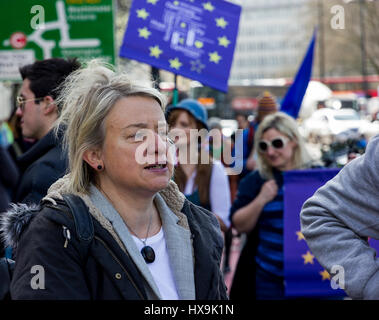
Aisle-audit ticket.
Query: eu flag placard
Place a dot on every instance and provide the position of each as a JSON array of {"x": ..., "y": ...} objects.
[
  {"x": 193, "y": 38},
  {"x": 304, "y": 276}
]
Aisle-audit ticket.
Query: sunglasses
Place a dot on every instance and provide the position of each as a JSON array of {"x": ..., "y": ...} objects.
[
  {"x": 276, "y": 143},
  {"x": 21, "y": 101}
]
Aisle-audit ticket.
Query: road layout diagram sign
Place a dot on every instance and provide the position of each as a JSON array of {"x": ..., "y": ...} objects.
[
  {"x": 41, "y": 29},
  {"x": 193, "y": 38}
]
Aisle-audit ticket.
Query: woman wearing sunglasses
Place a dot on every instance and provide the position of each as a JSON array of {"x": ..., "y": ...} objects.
[{"x": 258, "y": 209}]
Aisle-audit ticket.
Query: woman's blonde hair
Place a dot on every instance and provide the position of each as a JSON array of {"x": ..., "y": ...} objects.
[
  {"x": 87, "y": 97},
  {"x": 287, "y": 126}
]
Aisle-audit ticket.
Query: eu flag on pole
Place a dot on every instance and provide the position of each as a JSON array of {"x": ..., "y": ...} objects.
[
  {"x": 193, "y": 38},
  {"x": 291, "y": 103}
]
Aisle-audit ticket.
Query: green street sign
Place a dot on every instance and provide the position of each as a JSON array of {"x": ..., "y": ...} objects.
[{"x": 41, "y": 29}]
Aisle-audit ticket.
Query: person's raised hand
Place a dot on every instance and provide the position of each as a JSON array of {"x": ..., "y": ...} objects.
[{"x": 269, "y": 191}]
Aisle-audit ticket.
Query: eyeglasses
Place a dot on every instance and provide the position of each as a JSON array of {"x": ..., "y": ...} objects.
[
  {"x": 276, "y": 143},
  {"x": 21, "y": 101}
]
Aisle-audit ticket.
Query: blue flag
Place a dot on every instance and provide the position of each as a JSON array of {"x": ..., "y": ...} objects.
[
  {"x": 304, "y": 276},
  {"x": 291, "y": 103},
  {"x": 195, "y": 39}
]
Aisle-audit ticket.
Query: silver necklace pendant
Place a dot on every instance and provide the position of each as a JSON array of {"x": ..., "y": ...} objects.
[{"x": 148, "y": 254}]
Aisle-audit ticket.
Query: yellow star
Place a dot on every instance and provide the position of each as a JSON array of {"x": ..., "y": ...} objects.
[
  {"x": 223, "y": 41},
  {"x": 208, "y": 6},
  {"x": 181, "y": 40},
  {"x": 142, "y": 13},
  {"x": 175, "y": 63},
  {"x": 155, "y": 51},
  {"x": 198, "y": 44},
  {"x": 308, "y": 258},
  {"x": 325, "y": 275},
  {"x": 144, "y": 33},
  {"x": 214, "y": 57},
  {"x": 221, "y": 22},
  {"x": 300, "y": 236},
  {"x": 176, "y": 3},
  {"x": 152, "y": 1}
]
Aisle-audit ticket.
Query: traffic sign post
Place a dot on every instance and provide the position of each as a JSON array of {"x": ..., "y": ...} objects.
[{"x": 54, "y": 28}]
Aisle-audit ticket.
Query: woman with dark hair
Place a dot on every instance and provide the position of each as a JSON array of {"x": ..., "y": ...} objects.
[{"x": 202, "y": 179}]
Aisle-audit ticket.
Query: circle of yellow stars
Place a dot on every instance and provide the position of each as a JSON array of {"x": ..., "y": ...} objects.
[
  {"x": 309, "y": 257},
  {"x": 175, "y": 63}
]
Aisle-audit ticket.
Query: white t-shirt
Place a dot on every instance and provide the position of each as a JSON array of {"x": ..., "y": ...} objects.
[
  {"x": 219, "y": 193},
  {"x": 161, "y": 267}
]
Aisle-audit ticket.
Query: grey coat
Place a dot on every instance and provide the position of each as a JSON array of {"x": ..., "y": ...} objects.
[{"x": 339, "y": 217}]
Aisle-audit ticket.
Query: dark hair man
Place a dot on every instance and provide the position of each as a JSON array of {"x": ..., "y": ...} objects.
[{"x": 45, "y": 162}]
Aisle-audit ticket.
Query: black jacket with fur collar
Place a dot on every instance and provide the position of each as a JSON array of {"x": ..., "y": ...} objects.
[{"x": 103, "y": 270}]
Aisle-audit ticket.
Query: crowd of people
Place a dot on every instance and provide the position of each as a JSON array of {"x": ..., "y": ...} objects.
[{"x": 121, "y": 196}]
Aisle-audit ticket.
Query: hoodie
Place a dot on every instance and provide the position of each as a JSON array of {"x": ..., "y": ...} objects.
[{"x": 338, "y": 219}]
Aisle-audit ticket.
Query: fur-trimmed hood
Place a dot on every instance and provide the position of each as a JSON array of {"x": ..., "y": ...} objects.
[{"x": 15, "y": 220}]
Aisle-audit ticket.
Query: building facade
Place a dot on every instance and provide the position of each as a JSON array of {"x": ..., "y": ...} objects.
[{"x": 273, "y": 37}]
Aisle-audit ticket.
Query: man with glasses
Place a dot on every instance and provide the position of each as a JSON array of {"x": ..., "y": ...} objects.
[{"x": 45, "y": 161}]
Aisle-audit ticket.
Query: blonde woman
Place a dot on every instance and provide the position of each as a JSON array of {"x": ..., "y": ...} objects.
[
  {"x": 258, "y": 208},
  {"x": 148, "y": 241}
]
